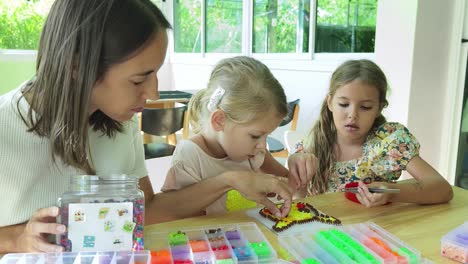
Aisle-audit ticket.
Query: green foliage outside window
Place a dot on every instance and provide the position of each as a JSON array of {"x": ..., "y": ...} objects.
[
  {"x": 21, "y": 23},
  {"x": 345, "y": 25},
  {"x": 341, "y": 25},
  {"x": 187, "y": 19}
]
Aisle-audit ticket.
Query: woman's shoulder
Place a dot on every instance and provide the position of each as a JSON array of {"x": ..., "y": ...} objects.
[{"x": 10, "y": 99}]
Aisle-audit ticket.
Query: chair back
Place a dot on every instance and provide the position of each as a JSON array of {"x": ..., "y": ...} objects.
[
  {"x": 293, "y": 114},
  {"x": 162, "y": 121}
]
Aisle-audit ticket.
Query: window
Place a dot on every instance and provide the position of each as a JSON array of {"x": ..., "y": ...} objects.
[
  {"x": 345, "y": 26},
  {"x": 21, "y": 23},
  {"x": 274, "y": 26}
]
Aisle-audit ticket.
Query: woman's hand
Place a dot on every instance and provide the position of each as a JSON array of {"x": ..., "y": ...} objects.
[
  {"x": 301, "y": 168},
  {"x": 257, "y": 186},
  {"x": 34, "y": 236},
  {"x": 369, "y": 199}
]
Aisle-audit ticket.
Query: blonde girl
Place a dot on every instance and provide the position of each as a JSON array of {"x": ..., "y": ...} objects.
[
  {"x": 352, "y": 142},
  {"x": 232, "y": 118}
]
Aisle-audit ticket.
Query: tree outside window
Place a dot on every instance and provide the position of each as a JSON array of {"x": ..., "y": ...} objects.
[{"x": 21, "y": 23}]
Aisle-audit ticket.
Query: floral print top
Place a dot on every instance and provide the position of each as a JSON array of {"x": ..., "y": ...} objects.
[{"x": 386, "y": 152}]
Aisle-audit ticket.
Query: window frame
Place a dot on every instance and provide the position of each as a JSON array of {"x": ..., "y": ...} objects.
[
  {"x": 309, "y": 60},
  {"x": 306, "y": 60}
]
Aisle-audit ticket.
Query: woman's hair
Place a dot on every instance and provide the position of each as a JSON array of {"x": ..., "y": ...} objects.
[
  {"x": 322, "y": 137},
  {"x": 80, "y": 41},
  {"x": 250, "y": 91}
]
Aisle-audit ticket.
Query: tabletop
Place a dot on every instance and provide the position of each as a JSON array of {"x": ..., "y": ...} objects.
[{"x": 420, "y": 226}]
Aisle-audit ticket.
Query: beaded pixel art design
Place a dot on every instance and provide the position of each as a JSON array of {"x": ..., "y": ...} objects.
[{"x": 300, "y": 213}]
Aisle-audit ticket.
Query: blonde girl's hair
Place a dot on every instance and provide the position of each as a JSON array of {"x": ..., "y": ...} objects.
[
  {"x": 322, "y": 137},
  {"x": 80, "y": 41},
  {"x": 250, "y": 91}
]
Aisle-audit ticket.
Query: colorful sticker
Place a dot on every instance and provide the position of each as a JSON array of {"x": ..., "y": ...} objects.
[
  {"x": 89, "y": 241},
  {"x": 79, "y": 216},
  {"x": 103, "y": 212},
  {"x": 122, "y": 212},
  {"x": 128, "y": 227},
  {"x": 109, "y": 226}
]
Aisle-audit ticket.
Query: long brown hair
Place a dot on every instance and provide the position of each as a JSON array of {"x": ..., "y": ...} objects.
[
  {"x": 322, "y": 137},
  {"x": 80, "y": 41},
  {"x": 250, "y": 90}
]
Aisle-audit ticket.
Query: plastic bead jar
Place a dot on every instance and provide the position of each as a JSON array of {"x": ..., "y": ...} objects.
[{"x": 103, "y": 214}]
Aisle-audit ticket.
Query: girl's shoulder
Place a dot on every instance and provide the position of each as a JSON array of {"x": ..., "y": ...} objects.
[
  {"x": 391, "y": 131},
  {"x": 391, "y": 138}
]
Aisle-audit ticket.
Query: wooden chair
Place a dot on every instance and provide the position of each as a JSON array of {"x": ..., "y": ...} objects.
[
  {"x": 275, "y": 146},
  {"x": 163, "y": 122}
]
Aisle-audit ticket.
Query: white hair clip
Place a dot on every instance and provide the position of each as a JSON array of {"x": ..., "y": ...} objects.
[{"x": 215, "y": 98}]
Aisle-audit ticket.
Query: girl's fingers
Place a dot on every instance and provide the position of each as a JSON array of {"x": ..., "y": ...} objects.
[
  {"x": 308, "y": 175},
  {"x": 271, "y": 206},
  {"x": 295, "y": 177}
]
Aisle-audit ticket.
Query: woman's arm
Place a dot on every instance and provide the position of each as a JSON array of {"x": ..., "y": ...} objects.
[
  {"x": 193, "y": 199},
  {"x": 186, "y": 202},
  {"x": 31, "y": 237}
]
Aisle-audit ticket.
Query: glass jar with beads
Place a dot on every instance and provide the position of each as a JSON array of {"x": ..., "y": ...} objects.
[{"x": 102, "y": 213}]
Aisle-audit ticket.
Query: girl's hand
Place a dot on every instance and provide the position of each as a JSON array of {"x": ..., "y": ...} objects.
[
  {"x": 369, "y": 199},
  {"x": 301, "y": 168},
  {"x": 34, "y": 236},
  {"x": 257, "y": 186}
]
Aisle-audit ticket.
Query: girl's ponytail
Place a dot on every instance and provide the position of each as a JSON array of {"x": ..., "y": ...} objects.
[{"x": 195, "y": 107}]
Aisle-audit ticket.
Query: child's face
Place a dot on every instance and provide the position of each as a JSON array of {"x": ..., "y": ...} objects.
[
  {"x": 355, "y": 106},
  {"x": 242, "y": 142},
  {"x": 125, "y": 87}
]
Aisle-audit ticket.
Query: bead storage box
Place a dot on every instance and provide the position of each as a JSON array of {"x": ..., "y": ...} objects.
[
  {"x": 454, "y": 245},
  {"x": 89, "y": 257},
  {"x": 357, "y": 243},
  {"x": 102, "y": 214},
  {"x": 224, "y": 244}
]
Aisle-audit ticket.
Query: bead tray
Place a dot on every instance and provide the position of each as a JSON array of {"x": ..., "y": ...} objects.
[
  {"x": 89, "y": 257},
  {"x": 454, "y": 245},
  {"x": 357, "y": 243},
  {"x": 224, "y": 244}
]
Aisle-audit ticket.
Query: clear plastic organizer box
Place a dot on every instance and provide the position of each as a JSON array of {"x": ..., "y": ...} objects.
[
  {"x": 111, "y": 257},
  {"x": 224, "y": 244},
  {"x": 454, "y": 245},
  {"x": 357, "y": 243}
]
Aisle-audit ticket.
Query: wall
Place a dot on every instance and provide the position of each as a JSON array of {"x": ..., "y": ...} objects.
[{"x": 419, "y": 55}]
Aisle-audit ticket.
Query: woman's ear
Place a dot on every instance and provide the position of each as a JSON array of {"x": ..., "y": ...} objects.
[
  {"x": 329, "y": 105},
  {"x": 218, "y": 118}
]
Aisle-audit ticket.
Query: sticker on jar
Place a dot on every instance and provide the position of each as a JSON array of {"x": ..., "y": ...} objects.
[{"x": 101, "y": 226}]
